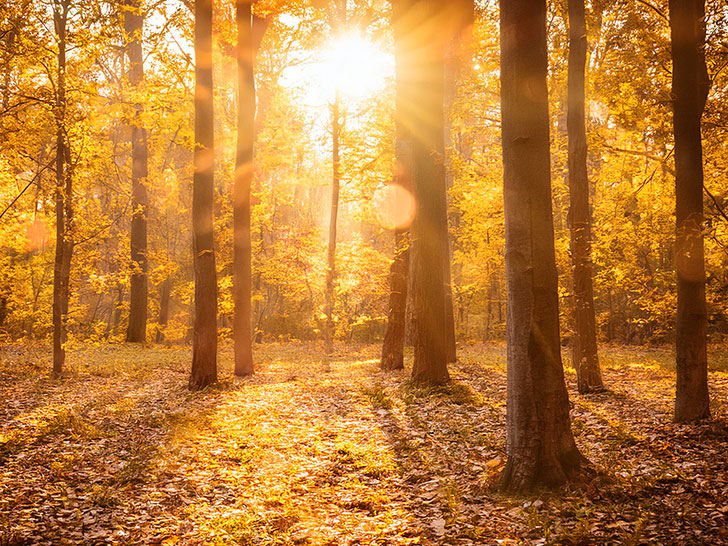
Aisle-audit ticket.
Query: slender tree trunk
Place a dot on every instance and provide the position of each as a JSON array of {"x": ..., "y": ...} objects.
[
  {"x": 335, "y": 187},
  {"x": 138, "y": 295},
  {"x": 204, "y": 342},
  {"x": 393, "y": 346},
  {"x": 584, "y": 342},
  {"x": 395, "y": 333},
  {"x": 418, "y": 27},
  {"x": 540, "y": 445},
  {"x": 690, "y": 86},
  {"x": 165, "y": 291},
  {"x": 64, "y": 197},
  {"x": 458, "y": 56},
  {"x": 242, "y": 258}
]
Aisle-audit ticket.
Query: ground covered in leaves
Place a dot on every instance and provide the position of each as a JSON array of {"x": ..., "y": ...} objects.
[{"x": 335, "y": 452}]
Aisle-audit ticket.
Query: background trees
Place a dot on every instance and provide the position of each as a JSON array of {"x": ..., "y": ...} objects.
[{"x": 630, "y": 163}]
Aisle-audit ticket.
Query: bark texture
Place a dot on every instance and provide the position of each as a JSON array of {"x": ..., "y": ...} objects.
[
  {"x": 584, "y": 343},
  {"x": 421, "y": 38},
  {"x": 242, "y": 259},
  {"x": 204, "y": 341},
  {"x": 540, "y": 446},
  {"x": 139, "y": 292},
  {"x": 690, "y": 86},
  {"x": 64, "y": 198}
]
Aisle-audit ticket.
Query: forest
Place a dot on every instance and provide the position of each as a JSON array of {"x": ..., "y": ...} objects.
[{"x": 363, "y": 272}]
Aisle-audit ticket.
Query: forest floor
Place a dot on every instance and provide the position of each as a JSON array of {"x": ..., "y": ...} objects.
[{"x": 335, "y": 452}]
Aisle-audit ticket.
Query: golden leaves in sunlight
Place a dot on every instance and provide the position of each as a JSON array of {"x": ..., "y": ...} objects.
[
  {"x": 395, "y": 207},
  {"x": 37, "y": 235}
]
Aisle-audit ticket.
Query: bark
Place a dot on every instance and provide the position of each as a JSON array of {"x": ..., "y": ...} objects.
[
  {"x": 690, "y": 86},
  {"x": 396, "y": 330},
  {"x": 458, "y": 56},
  {"x": 393, "y": 345},
  {"x": 204, "y": 341},
  {"x": 64, "y": 196},
  {"x": 584, "y": 341},
  {"x": 242, "y": 258},
  {"x": 540, "y": 446},
  {"x": 165, "y": 291},
  {"x": 139, "y": 292},
  {"x": 334, "y": 214},
  {"x": 421, "y": 41}
]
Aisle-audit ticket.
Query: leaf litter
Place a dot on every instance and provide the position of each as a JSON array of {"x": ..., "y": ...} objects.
[{"x": 336, "y": 452}]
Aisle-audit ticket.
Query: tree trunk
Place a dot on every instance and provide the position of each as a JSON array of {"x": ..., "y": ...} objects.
[
  {"x": 690, "y": 86},
  {"x": 584, "y": 342},
  {"x": 335, "y": 187},
  {"x": 242, "y": 259},
  {"x": 204, "y": 342},
  {"x": 393, "y": 346},
  {"x": 458, "y": 57},
  {"x": 64, "y": 197},
  {"x": 138, "y": 295},
  {"x": 540, "y": 445},
  {"x": 421, "y": 39},
  {"x": 165, "y": 291},
  {"x": 396, "y": 331}
]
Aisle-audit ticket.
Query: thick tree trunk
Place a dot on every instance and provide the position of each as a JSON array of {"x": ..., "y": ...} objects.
[
  {"x": 584, "y": 342},
  {"x": 690, "y": 86},
  {"x": 204, "y": 342},
  {"x": 242, "y": 259},
  {"x": 138, "y": 295},
  {"x": 421, "y": 39},
  {"x": 331, "y": 255},
  {"x": 540, "y": 445},
  {"x": 64, "y": 200}
]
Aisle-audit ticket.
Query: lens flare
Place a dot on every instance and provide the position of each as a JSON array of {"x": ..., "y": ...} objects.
[{"x": 395, "y": 207}]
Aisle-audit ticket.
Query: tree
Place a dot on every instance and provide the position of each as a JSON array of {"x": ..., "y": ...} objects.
[
  {"x": 64, "y": 195},
  {"x": 242, "y": 258},
  {"x": 459, "y": 47},
  {"x": 690, "y": 86},
  {"x": 420, "y": 111},
  {"x": 337, "y": 18},
  {"x": 138, "y": 296},
  {"x": 540, "y": 446},
  {"x": 584, "y": 342},
  {"x": 204, "y": 343},
  {"x": 394, "y": 334}
]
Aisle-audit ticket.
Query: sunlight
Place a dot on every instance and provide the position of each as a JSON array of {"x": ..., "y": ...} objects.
[
  {"x": 354, "y": 66},
  {"x": 350, "y": 63}
]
